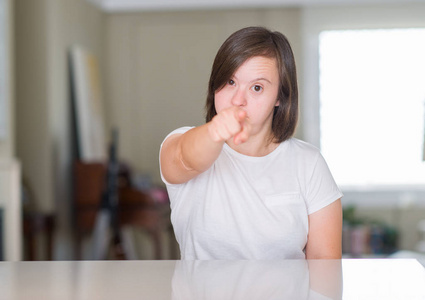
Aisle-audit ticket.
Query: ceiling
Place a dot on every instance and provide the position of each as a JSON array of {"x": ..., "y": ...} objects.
[{"x": 154, "y": 5}]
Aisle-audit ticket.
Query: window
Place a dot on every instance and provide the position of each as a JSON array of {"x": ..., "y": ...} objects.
[{"x": 372, "y": 98}]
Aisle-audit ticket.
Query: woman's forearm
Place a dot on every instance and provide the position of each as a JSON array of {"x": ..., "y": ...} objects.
[
  {"x": 197, "y": 148},
  {"x": 187, "y": 155}
]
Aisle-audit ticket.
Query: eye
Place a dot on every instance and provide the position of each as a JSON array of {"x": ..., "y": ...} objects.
[
  {"x": 257, "y": 88},
  {"x": 231, "y": 82}
]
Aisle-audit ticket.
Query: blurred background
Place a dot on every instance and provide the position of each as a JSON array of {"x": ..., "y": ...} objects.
[{"x": 142, "y": 68}]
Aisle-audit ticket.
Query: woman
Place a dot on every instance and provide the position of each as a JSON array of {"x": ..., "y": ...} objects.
[{"x": 240, "y": 186}]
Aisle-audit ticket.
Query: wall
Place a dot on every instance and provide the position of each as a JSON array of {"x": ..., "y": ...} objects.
[
  {"x": 45, "y": 30},
  {"x": 7, "y": 146},
  {"x": 158, "y": 67},
  {"x": 32, "y": 136}
]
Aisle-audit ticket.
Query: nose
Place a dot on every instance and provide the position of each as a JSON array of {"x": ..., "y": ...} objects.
[{"x": 239, "y": 98}]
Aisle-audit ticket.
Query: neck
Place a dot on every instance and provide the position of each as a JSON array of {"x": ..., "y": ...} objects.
[{"x": 255, "y": 146}]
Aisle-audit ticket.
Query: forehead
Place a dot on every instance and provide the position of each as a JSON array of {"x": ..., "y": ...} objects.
[{"x": 258, "y": 65}]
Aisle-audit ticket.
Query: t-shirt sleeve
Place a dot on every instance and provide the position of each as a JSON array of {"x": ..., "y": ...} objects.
[
  {"x": 322, "y": 189},
  {"x": 180, "y": 130}
]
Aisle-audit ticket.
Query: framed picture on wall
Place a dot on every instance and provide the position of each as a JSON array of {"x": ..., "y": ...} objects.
[{"x": 87, "y": 105}]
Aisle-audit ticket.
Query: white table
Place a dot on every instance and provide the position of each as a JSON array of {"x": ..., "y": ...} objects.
[{"x": 186, "y": 280}]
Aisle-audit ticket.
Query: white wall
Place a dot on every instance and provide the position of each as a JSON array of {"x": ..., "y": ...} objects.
[
  {"x": 32, "y": 136},
  {"x": 7, "y": 145}
]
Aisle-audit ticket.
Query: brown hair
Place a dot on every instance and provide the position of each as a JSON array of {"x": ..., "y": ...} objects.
[{"x": 259, "y": 41}]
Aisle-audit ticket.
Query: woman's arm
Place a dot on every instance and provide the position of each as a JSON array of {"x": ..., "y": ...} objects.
[
  {"x": 184, "y": 156},
  {"x": 325, "y": 233}
]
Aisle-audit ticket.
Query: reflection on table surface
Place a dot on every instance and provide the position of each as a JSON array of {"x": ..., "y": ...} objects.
[
  {"x": 178, "y": 280},
  {"x": 290, "y": 279}
]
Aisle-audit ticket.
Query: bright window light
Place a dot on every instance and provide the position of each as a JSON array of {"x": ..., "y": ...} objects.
[{"x": 372, "y": 97}]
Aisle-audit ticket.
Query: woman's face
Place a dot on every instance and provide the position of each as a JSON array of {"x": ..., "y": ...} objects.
[{"x": 253, "y": 87}]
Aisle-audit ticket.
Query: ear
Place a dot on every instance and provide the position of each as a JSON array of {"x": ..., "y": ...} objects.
[{"x": 277, "y": 102}]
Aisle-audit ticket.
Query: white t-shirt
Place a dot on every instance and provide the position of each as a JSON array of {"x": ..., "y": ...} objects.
[{"x": 246, "y": 207}]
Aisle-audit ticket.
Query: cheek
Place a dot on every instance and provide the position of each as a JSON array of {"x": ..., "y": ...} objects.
[
  {"x": 220, "y": 101},
  {"x": 264, "y": 107}
]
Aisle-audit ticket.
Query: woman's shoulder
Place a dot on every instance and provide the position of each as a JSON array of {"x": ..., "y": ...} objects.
[
  {"x": 301, "y": 147},
  {"x": 301, "y": 153},
  {"x": 304, "y": 155},
  {"x": 180, "y": 130}
]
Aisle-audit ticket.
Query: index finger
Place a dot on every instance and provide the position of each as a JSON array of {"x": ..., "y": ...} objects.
[
  {"x": 240, "y": 115},
  {"x": 243, "y": 135}
]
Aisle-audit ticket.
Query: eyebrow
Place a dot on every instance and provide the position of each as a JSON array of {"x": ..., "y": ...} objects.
[
  {"x": 257, "y": 79},
  {"x": 261, "y": 78}
]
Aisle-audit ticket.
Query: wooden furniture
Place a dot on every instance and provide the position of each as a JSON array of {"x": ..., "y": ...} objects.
[
  {"x": 36, "y": 223},
  {"x": 136, "y": 208}
]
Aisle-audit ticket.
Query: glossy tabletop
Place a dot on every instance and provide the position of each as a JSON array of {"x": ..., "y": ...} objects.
[{"x": 186, "y": 280}]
